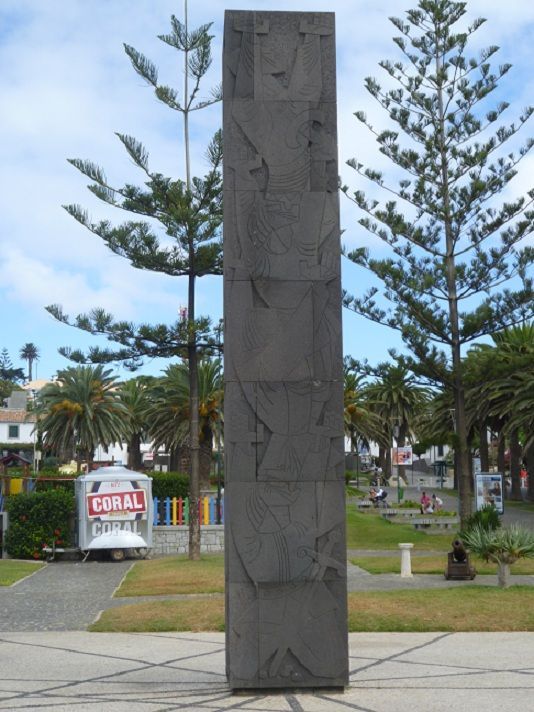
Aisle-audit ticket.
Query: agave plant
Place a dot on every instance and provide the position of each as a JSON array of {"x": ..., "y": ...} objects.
[{"x": 503, "y": 546}]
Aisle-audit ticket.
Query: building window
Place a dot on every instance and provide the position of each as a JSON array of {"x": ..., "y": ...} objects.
[
  {"x": 440, "y": 450},
  {"x": 13, "y": 432}
]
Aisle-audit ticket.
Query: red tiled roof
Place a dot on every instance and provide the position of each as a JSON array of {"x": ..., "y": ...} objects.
[{"x": 10, "y": 415}]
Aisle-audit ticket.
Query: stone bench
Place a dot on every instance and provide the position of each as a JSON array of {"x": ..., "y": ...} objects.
[
  {"x": 435, "y": 524},
  {"x": 400, "y": 514},
  {"x": 367, "y": 505}
]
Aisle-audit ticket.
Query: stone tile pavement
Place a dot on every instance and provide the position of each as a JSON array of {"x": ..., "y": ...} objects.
[
  {"x": 404, "y": 672},
  {"x": 61, "y": 596}
]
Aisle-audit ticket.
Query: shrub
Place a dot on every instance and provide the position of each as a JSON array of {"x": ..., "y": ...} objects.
[
  {"x": 36, "y": 520},
  {"x": 54, "y": 480},
  {"x": 170, "y": 484},
  {"x": 408, "y": 504},
  {"x": 487, "y": 518}
]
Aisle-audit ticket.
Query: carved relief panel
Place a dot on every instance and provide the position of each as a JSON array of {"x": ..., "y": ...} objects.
[{"x": 284, "y": 488}]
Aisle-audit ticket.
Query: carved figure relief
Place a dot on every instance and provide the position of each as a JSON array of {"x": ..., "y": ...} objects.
[{"x": 286, "y": 601}]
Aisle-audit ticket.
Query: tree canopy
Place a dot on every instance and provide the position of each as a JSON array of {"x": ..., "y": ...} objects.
[{"x": 458, "y": 266}]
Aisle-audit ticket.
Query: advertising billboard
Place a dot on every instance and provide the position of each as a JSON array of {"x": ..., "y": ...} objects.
[
  {"x": 401, "y": 455},
  {"x": 489, "y": 490}
]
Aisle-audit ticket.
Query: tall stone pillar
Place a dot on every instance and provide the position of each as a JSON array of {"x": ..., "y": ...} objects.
[{"x": 286, "y": 610}]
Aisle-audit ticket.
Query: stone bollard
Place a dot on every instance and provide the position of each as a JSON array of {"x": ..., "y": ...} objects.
[{"x": 406, "y": 562}]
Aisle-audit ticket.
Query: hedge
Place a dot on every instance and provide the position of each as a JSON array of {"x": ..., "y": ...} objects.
[
  {"x": 36, "y": 520},
  {"x": 169, "y": 484}
]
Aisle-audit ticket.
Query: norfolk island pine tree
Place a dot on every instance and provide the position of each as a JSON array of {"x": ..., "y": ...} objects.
[
  {"x": 459, "y": 268},
  {"x": 190, "y": 214}
]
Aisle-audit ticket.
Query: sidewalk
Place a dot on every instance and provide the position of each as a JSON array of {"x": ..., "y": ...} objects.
[
  {"x": 404, "y": 672},
  {"x": 360, "y": 580}
]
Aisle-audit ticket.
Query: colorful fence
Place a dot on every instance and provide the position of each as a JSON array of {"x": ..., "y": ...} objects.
[{"x": 174, "y": 511}]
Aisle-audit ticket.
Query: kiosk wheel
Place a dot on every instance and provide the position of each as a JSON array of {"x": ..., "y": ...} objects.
[{"x": 117, "y": 554}]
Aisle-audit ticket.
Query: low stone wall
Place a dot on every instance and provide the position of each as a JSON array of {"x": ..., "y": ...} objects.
[{"x": 175, "y": 540}]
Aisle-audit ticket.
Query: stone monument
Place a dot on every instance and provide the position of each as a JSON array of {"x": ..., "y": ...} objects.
[{"x": 286, "y": 601}]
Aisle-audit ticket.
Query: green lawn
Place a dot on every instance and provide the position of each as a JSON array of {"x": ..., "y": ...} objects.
[
  {"x": 13, "y": 571},
  {"x": 470, "y": 608},
  {"x": 433, "y": 565},
  {"x": 177, "y": 574},
  {"x": 371, "y": 531},
  {"x": 194, "y": 615},
  {"x": 525, "y": 506},
  {"x": 174, "y": 574}
]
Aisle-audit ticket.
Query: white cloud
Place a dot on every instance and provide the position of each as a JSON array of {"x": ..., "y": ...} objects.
[{"x": 67, "y": 86}]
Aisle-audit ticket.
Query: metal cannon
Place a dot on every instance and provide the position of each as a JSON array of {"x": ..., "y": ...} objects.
[{"x": 458, "y": 565}]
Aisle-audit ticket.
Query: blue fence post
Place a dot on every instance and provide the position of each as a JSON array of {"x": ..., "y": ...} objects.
[
  {"x": 213, "y": 514},
  {"x": 155, "y": 500},
  {"x": 167, "y": 511}
]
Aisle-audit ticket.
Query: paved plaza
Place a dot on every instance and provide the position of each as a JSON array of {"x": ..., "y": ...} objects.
[
  {"x": 50, "y": 662},
  {"x": 400, "y": 672}
]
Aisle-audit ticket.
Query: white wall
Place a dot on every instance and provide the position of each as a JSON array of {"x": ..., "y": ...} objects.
[{"x": 25, "y": 433}]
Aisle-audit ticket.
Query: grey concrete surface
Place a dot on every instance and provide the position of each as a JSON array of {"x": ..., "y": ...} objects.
[
  {"x": 286, "y": 607},
  {"x": 61, "y": 596},
  {"x": 405, "y": 672}
]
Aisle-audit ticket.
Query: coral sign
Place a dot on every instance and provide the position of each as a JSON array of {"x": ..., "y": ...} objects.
[{"x": 102, "y": 503}]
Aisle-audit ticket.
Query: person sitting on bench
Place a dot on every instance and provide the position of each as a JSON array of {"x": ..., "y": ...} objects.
[{"x": 380, "y": 496}]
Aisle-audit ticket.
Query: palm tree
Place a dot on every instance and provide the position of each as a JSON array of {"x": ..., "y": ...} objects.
[
  {"x": 503, "y": 546},
  {"x": 397, "y": 400},
  {"x": 135, "y": 395},
  {"x": 360, "y": 423},
  {"x": 81, "y": 411},
  {"x": 30, "y": 353},
  {"x": 504, "y": 389},
  {"x": 169, "y": 414}
]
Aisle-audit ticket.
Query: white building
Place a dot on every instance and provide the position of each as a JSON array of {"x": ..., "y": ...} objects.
[{"x": 16, "y": 426}]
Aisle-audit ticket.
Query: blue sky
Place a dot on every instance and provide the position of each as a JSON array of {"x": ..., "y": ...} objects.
[{"x": 67, "y": 86}]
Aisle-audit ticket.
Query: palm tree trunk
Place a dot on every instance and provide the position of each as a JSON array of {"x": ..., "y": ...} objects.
[
  {"x": 529, "y": 461},
  {"x": 206, "y": 458},
  {"x": 483, "y": 447},
  {"x": 382, "y": 460},
  {"x": 135, "y": 461},
  {"x": 515, "y": 466},
  {"x": 401, "y": 442},
  {"x": 501, "y": 447},
  {"x": 503, "y": 574}
]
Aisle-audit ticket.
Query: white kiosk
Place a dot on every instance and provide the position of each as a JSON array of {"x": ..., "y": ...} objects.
[{"x": 115, "y": 511}]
